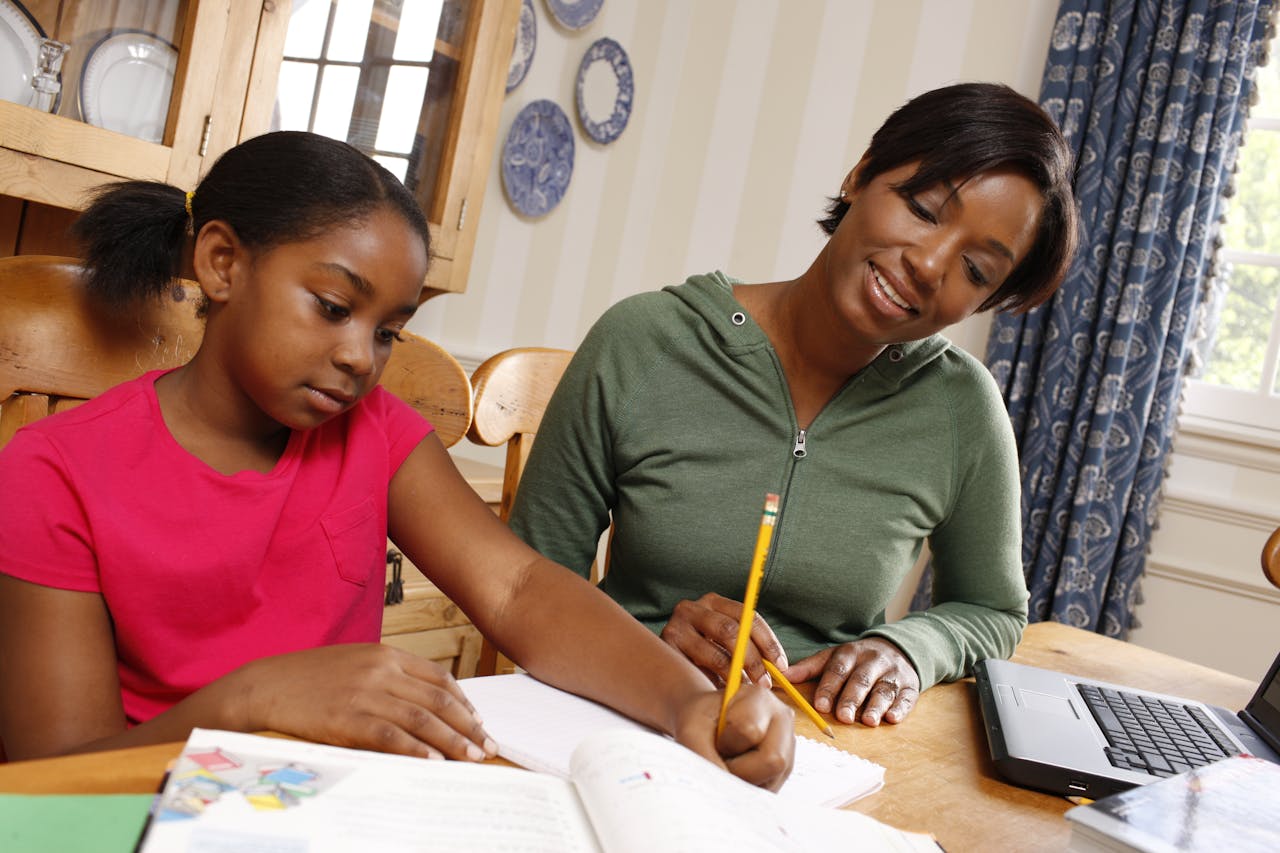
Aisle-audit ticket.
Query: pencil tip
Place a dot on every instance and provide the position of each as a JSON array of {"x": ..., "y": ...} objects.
[{"x": 827, "y": 731}]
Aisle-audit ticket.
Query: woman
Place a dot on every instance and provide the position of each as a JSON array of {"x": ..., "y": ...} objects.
[{"x": 683, "y": 408}]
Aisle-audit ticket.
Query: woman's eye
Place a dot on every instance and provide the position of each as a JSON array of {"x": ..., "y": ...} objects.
[
  {"x": 975, "y": 274},
  {"x": 920, "y": 210}
]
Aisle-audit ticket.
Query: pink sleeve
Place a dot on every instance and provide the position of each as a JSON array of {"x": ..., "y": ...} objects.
[
  {"x": 44, "y": 538},
  {"x": 405, "y": 426}
]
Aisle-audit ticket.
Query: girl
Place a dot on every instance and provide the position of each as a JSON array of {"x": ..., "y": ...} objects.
[{"x": 206, "y": 546}]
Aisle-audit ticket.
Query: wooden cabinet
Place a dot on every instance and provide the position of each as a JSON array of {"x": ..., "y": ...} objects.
[{"x": 229, "y": 54}]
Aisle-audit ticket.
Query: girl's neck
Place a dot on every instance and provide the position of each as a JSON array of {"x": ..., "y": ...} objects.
[{"x": 214, "y": 421}]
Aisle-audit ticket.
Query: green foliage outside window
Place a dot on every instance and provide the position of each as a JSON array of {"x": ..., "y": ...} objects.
[{"x": 1246, "y": 314}]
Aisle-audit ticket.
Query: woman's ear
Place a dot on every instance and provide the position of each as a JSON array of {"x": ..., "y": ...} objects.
[
  {"x": 214, "y": 257},
  {"x": 850, "y": 184}
]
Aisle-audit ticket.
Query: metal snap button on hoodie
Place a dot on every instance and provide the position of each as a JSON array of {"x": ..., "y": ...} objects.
[
  {"x": 738, "y": 318},
  {"x": 895, "y": 354}
]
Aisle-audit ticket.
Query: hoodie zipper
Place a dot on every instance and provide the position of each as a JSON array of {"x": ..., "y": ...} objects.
[{"x": 798, "y": 450}]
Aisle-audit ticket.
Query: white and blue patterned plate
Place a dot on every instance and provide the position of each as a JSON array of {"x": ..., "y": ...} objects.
[
  {"x": 606, "y": 87},
  {"x": 526, "y": 43},
  {"x": 537, "y": 158},
  {"x": 574, "y": 14}
]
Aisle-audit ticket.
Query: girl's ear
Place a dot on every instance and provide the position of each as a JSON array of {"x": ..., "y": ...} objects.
[{"x": 214, "y": 259}]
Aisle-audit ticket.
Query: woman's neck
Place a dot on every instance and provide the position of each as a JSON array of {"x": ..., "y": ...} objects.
[{"x": 817, "y": 354}]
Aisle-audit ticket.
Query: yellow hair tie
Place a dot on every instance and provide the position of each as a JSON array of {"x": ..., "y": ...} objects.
[{"x": 190, "y": 195}]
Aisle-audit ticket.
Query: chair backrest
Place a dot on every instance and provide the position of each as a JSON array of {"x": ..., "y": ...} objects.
[
  {"x": 511, "y": 391},
  {"x": 59, "y": 346},
  {"x": 1271, "y": 558}
]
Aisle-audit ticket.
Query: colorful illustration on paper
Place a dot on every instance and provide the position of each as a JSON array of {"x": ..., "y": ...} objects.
[{"x": 205, "y": 776}]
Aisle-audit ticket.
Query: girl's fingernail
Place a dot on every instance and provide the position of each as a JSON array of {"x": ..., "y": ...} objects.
[{"x": 475, "y": 753}]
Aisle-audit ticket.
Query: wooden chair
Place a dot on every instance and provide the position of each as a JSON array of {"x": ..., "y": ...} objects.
[
  {"x": 1271, "y": 558},
  {"x": 511, "y": 391},
  {"x": 59, "y": 347}
]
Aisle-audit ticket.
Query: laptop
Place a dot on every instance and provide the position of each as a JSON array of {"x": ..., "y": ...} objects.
[{"x": 1081, "y": 737}]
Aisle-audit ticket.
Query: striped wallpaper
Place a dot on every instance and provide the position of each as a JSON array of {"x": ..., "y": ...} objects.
[{"x": 747, "y": 114}]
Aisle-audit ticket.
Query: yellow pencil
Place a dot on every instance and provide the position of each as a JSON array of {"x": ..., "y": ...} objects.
[
  {"x": 801, "y": 702},
  {"x": 749, "y": 605}
]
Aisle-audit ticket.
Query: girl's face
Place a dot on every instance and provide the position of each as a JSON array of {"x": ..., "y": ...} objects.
[
  {"x": 901, "y": 267},
  {"x": 311, "y": 324}
]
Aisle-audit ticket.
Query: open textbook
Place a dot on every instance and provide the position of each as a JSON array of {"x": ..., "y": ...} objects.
[
  {"x": 629, "y": 791},
  {"x": 538, "y": 726}
]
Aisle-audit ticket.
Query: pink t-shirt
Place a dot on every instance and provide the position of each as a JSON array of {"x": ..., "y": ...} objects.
[{"x": 203, "y": 572}]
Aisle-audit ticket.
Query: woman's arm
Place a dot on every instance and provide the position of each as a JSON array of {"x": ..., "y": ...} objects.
[
  {"x": 566, "y": 632},
  {"x": 59, "y": 690}
]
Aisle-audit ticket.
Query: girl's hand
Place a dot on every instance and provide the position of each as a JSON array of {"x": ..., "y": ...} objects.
[
  {"x": 367, "y": 696},
  {"x": 705, "y": 631},
  {"x": 872, "y": 679},
  {"x": 758, "y": 742}
]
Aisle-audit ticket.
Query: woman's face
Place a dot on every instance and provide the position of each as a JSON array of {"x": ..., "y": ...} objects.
[{"x": 902, "y": 267}]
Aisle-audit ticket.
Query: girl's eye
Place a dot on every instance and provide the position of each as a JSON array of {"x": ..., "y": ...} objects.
[
  {"x": 386, "y": 336},
  {"x": 975, "y": 274},
  {"x": 920, "y": 210},
  {"x": 332, "y": 310}
]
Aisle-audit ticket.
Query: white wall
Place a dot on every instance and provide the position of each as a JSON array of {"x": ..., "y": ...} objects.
[{"x": 747, "y": 115}]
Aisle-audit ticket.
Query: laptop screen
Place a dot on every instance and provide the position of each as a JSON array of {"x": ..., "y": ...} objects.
[{"x": 1264, "y": 707}]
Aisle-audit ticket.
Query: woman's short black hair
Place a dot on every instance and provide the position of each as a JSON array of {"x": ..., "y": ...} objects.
[
  {"x": 961, "y": 131},
  {"x": 272, "y": 189}
]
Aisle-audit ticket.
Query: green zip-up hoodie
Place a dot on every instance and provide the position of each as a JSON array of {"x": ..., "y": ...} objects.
[{"x": 675, "y": 417}]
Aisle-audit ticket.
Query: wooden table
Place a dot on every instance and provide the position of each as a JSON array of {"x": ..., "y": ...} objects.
[{"x": 938, "y": 774}]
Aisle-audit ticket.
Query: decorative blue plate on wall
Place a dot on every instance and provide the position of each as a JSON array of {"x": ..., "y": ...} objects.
[
  {"x": 574, "y": 14},
  {"x": 526, "y": 43},
  {"x": 606, "y": 87},
  {"x": 537, "y": 158}
]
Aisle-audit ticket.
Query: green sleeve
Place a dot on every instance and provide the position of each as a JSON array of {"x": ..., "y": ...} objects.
[
  {"x": 567, "y": 490},
  {"x": 979, "y": 593}
]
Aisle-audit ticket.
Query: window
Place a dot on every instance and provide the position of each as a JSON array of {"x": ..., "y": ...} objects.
[{"x": 1237, "y": 380}]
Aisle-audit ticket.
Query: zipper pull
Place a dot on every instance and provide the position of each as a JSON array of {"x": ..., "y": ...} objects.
[{"x": 798, "y": 451}]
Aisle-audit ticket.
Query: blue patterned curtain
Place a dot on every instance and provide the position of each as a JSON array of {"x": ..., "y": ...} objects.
[{"x": 1152, "y": 95}]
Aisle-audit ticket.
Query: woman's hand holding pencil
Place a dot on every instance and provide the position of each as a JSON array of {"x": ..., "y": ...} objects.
[{"x": 748, "y": 618}]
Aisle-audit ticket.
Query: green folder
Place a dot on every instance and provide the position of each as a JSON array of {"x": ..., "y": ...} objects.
[{"x": 81, "y": 823}]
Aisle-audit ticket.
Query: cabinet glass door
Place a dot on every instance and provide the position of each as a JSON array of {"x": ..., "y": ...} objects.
[
  {"x": 97, "y": 90},
  {"x": 108, "y": 64},
  {"x": 378, "y": 74},
  {"x": 410, "y": 83}
]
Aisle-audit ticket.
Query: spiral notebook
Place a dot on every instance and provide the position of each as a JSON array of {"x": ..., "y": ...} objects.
[{"x": 538, "y": 726}]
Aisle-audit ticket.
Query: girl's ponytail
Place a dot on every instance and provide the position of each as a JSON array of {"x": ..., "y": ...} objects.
[{"x": 132, "y": 237}]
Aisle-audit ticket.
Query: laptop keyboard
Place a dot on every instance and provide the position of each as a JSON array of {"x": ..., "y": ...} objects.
[{"x": 1154, "y": 735}]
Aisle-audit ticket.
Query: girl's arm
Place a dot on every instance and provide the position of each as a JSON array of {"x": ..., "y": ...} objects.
[
  {"x": 565, "y": 631},
  {"x": 59, "y": 690}
]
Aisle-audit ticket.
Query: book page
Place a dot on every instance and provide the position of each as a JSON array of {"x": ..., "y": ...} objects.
[
  {"x": 644, "y": 792},
  {"x": 538, "y": 726},
  {"x": 232, "y": 791}
]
